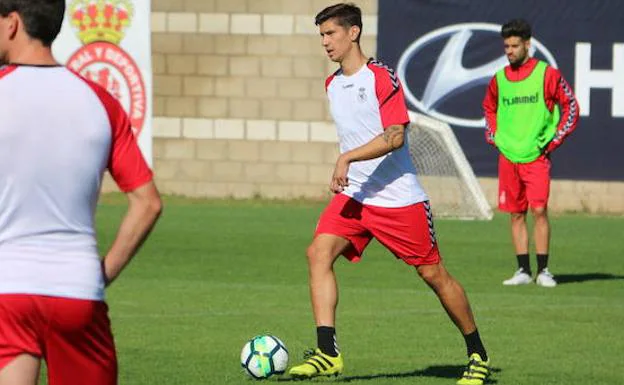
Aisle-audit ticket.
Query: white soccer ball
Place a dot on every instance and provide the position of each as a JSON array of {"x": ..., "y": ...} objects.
[{"x": 264, "y": 356}]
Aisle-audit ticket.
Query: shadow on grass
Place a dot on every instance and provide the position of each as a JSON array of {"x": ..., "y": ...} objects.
[
  {"x": 437, "y": 371},
  {"x": 577, "y": 278}
]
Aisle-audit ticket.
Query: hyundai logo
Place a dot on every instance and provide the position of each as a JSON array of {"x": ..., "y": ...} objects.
[{"x": 449, "y": 76}]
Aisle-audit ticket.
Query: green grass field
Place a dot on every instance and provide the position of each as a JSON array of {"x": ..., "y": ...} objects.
[{"x": 214, "y": 274}]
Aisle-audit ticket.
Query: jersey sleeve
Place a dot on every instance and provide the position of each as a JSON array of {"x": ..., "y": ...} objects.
[
  {"x": 392, "y": 107},
  {"x": 5, "y": 70},
  {"x": 329, "y": 80},
  {"x": 126, "y": 163},
  {"x": 558, "y": 92},
  {"x": 490, "y": 106}
]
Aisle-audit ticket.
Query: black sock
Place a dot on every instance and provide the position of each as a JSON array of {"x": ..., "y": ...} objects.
[
  {"x": 523, "y": 263},
  {"x": 542, "y": 262},
  {"x": 326, "y": 339},
  {"x": 474, "y": 345}
]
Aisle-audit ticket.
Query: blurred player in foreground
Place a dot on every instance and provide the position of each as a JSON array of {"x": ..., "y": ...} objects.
[{"x": 58, "y": 134}]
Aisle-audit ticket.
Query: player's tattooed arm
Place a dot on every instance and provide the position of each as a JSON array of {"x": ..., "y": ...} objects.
[
  {"x": 394, "y": 136},
  {"x": 391, "y": 139}
]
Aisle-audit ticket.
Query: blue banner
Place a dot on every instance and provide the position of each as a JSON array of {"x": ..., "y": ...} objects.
[{"x": 446, "y": 52}]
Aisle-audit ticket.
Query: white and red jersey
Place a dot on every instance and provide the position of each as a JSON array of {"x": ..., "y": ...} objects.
[
  {"x": 363, "y": 105},
  {"x": 58, "y": 134}
]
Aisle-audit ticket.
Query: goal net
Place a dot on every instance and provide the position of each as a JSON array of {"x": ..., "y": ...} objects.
[{"x": 444, "y": 171}]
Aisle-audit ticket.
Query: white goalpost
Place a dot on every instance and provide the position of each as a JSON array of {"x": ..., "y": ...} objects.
[{"x": 444, "y": 170}]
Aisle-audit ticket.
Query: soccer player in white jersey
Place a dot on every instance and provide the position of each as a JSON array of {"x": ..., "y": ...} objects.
[
  {"x": 58, "y": 134},
  {"x": 377, "y": 196}
]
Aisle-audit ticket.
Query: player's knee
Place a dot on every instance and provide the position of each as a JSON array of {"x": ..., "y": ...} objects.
[
  {"x": 539, "y": 211},
  {"x": 317, "y": 256},
  {"x": 432, "y": 274},
  {"x": 518, "y": 217},
  {"x": 311, "y": 252}
]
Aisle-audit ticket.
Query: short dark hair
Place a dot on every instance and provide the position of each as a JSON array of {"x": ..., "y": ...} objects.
[
  {"x": 516, "y": 27},
  {"x": 346, "y": 15},
  {"x": 42, "y": 18}
]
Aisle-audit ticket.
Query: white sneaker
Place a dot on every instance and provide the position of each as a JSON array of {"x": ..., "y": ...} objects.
[
  {"x": 546, "y": 279},
  {"x": 519, "y": 278}
]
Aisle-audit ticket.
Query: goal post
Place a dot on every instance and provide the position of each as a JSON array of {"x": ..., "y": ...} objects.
[{"x": 444, "y": 171}]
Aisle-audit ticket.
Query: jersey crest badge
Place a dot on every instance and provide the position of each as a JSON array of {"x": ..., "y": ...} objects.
[{"x": 362, "y": 94}]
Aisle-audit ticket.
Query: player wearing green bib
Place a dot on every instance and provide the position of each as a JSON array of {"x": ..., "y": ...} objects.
[
  {"x": 524, "y": 123},
  {"x": 529, "y": 110}
]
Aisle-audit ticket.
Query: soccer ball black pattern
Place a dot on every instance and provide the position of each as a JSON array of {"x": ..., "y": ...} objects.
[{"x": 264, "y": 356}]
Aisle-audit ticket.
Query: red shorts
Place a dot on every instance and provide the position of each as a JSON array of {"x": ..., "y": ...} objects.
[
  {"x": 521, "y": 185},
  {"x": 405, "y": 231},
  {"x": 73, "y": 336}
]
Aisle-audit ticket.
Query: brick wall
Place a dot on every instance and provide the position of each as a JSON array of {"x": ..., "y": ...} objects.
[
  {"x": 240, "y": 107},
  {"x": 239, "y": 101}
]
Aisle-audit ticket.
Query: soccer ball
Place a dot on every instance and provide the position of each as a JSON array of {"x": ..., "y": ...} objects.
[{"x": 263, "y": 356}]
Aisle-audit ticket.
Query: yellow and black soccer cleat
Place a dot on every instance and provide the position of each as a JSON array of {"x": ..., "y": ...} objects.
[
  {"x": 476, "y": 371},
  {"x": 318, "y": 364}
]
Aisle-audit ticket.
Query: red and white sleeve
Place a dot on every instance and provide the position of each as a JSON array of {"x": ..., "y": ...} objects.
[
  {"x": 558, "y": 91},
  {"x": 490, "y": 107},
  {"x": 392, "y": 107},
  {"x": 126, "y": 164}
]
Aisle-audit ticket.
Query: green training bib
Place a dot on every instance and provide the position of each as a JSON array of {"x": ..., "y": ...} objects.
[{"x": 524, "y": 126}]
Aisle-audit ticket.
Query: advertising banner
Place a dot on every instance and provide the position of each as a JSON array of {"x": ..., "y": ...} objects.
[{"x": 446, "y": 51}]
